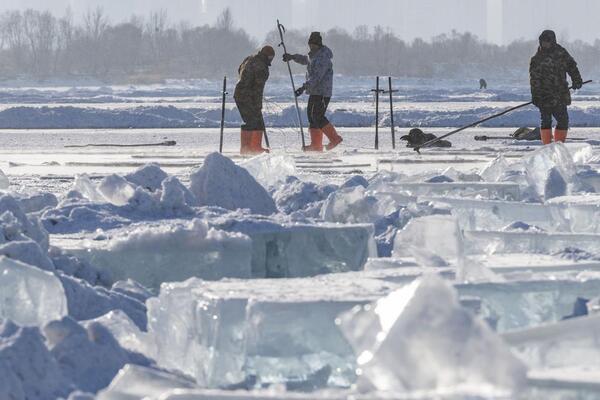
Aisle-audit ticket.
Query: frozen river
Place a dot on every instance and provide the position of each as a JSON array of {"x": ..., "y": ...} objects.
[{"x": 174, "y": 273}]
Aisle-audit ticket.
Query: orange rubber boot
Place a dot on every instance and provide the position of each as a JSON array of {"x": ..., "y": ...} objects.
[
  {"x": 246, "y": 142},
  {"x": 316, "y": 140},
  {"x": 546, "y": 136},
  {"x": 256, "y": 143},
  {"x": 332, "y": 135},
  {"x": 560, "y": 135}
]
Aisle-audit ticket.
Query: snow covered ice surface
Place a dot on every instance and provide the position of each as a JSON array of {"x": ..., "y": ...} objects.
[{"x": 179, "y": 273}]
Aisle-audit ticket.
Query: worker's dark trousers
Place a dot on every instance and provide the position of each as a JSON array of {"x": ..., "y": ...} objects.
[
  {"x": 317, "y": 106},
  {"x": 559, "y": 113},
  {"x": 251, "y": 115}
]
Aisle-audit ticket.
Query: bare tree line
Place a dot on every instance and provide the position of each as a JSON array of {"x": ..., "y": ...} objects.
[{"x": 36, "y": 44}]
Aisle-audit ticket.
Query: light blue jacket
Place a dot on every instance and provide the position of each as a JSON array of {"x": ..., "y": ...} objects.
[{"x": 319, "y": 78}]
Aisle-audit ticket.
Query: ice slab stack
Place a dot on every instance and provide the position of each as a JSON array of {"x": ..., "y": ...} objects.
[
  {"x": 230, "y": 246},
  {"x": 151, "y": 254},
  {"x": 223, "y": 332},
  {"x": 578, "y": 214},
  {"x": 518, "y": 305},
  {"x": 434, "y": 240},
  {"x": 290, "y": 250},
  {"x": 571, "y": 343}
]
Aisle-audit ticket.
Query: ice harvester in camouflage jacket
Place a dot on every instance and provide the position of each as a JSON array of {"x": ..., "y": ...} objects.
[
  {"x": 253, "y": 75},
  {"x": 548, "y": 76}
]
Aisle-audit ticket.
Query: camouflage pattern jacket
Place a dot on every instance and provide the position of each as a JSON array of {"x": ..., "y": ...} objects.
[
  {"x": 548, "y": 77},
  {"x": 253, "y": 75},
  {"x": 319, "y": 78}
]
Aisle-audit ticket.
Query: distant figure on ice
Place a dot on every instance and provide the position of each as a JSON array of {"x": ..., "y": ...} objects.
[
  {"x": 549, "y": 87},
  {"x": 482, "y": 84},
  {"x": 248, "y": 95},
  {"x": 319, "y": 86},
  {"x": 417, "y": 137}
]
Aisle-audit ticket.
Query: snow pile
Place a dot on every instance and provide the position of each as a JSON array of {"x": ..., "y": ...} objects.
[
  {"x": 35, "y": 202},
  {"x": 355, "y": 205},
  {"x": 22, "y": 237},
  {"x": 172, "y": 252},
  {"x": 86, "y": 302},
  {"x": 148, "y": 190},
  {"x": 421, "y": 338},
  {"x": 27, "y": 369},
  {"x": 149, "y": 177},
  {"x": 219, "y": 182},
  {"x": 28, "y": 295},
  {"x": 116, "y": 190},
  {"x": 65, "y": 356},
  {"x": 4, "y": 183},
  {"x": 160, "y": 116},
  {"x": 303, "y": 198},
  {"x": 90, "y": 357},
  {"x": 270, "y": 169}
]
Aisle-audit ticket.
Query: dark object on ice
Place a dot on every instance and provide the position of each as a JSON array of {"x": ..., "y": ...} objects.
[
  {"x": 579, "y": 308},
  {"x": 440, "y": 179},
  {"x": 520, "y": 134},
  {"x": 482, "y": 84},
  {"x": 432, "y": 142},
  {"x": 525, "y": 133},
  {"x": 417, "y": 137},
  {"x": 165, "y": 143}
]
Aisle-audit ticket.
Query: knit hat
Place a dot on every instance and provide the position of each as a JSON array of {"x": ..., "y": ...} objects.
[
  {"x": 548, "y": 36},
  {"x": 315, "y": 38},
  {"x": 268, "y": 51}
]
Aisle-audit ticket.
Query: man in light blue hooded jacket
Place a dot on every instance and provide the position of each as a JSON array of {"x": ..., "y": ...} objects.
[{"x": 319, "y": 86}]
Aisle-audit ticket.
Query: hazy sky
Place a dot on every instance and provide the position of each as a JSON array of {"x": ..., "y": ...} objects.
[{"x": 498, "y": 21}]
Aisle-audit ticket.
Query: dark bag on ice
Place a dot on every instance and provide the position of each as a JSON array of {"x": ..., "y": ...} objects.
[
  {"x": 417, "y": 137},
  {"x": 527, "y": 134}
]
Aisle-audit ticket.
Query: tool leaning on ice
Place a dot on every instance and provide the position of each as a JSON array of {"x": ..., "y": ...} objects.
[
  {"x": 248, "y": 95},
  {"x": 319, "y": 87},
  {"x": 549, "y": 87}
]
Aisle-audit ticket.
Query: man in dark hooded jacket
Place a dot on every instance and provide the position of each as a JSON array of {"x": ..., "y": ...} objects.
[
  {"x": 319, "y": 86},
  {"x": 549, "y": 87},
  {"x": 248, "y": 95}
]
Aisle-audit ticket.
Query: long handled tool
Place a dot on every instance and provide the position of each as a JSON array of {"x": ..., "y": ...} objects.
[
  {"x": 266, "y": 136},
  {"x": 393, "y": 128},
  {"x": 165, "y": 143},
  {"x": 223, "y": 114},
  {"x": 433, "y": 141},
  {"x": 377, "y": 90},
  {"x": 281, "y": 29},
  {"x": 483, "y": 138}
]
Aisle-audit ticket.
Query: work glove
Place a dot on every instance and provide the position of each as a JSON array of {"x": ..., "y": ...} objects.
[
  {"x": 288, "y": 57},
  {"x": 300, "y": 91},
  {"x": 577, "y": 85}
]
